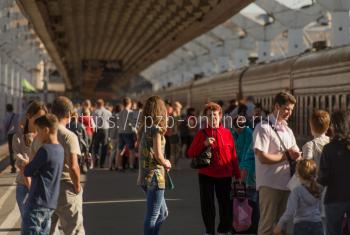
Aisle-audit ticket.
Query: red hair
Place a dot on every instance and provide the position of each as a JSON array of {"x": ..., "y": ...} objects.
[{"x": 212, "y": 107}]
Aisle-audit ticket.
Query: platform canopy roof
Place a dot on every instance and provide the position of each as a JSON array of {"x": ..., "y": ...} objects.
[{"x": 102, "y": 43}]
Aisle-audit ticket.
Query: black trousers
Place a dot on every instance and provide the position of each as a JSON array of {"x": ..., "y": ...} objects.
[
  {"x": 222, "y": 188},
  {"x": 12, "y": 158},
  {"x": 101, "y": 139}
]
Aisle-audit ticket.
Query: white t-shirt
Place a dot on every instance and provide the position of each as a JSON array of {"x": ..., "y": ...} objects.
[{"x": 265, "y": 139}]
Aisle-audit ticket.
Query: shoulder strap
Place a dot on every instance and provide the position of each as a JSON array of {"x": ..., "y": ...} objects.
[
  {"x": 278, "y": 136},
  {"x": 205, "y": 133}
]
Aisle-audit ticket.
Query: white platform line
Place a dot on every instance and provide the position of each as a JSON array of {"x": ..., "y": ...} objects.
[
  {"x": 123, "y": 201},
  {"x": 6, "y": 196},
  {"x": 11, "y": 220}
]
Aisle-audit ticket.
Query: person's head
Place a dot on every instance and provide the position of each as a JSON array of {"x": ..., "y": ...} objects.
[
  {"x": 340, "y": 126},
  {"x": 74, "y": 116},
  {"x": 169, "y": 107},
  {"x": 283, "y": 105},
  {"x": 191, "y": 111},
  {"x": 213, "y": 112},
  {"x": 117, "y": 108},
  {"x": 250, "y": 99},
  {"x": 100, "y": 103},
  {"x": 139, "y": 105},
  {"x": 46, "y": 127},
  {"x": 220, "y": 102},
  {"x": 9, "y": 108},
  {"x": 319, "y": 122},
  {"x": 307, "y": 173},
  {"x": 87, "y": 104},
  {"x": 177, "y": 107},
  {"x": 86, "y": 111},
  {"x": 258, "y": 110},
  {"x": 134, "y": 105},
  {"x": 242, "y": 109},
  {"x": 127, "y": 103},
  {"x": 233, "y": 103},
  {"x": 239, "y": 123},
  {"x": 35, "y": 110},
  {"x": 154, "y": 113},
  {"x": 62, "y": 107}
]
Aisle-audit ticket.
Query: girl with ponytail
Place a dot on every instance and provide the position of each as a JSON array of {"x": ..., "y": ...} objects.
[{"x": 304, "y": 203}]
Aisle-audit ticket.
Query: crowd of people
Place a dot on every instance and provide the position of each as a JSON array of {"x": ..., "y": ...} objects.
[{"x": 290, "y": 189}]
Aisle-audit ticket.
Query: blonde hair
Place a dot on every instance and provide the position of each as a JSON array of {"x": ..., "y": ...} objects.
[
  {"x": 307, "y": 172},
  {"x": 154, "y": 113}
]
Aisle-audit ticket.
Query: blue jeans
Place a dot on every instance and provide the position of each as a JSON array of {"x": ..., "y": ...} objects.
[
  {"x": 157, "y": 210},
  {"x": 308, "y": 228},
  {"x": 21, "y": 193},
  {"x": 36, "y": 220},
  {"x": 334, "y": 217}
]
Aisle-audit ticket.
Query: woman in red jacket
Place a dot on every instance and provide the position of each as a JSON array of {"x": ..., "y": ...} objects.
[{"x": 218, "y": 175}]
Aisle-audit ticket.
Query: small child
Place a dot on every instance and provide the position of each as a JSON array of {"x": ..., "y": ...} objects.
[
  {"x": 304, "y": 203},
  {"x": 45, "y": 169}
]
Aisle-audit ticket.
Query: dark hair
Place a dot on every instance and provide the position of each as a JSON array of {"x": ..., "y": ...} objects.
[
  {"x": 117, "y": 108},
  {"x": 341, "y": 126},
  {"x": 242, "y": 109},
  {"x": 48, "y": 120},
  {"x": 220, "y": 102},
  {"x": 191, "y": 111},
  {"x": 62, "y": 107},
  {"x": 9, "y": 107},
  {"x": 238, "y": 123},
  {"x": 283, "y": 98},
  {"x": 139, "y": 105}
]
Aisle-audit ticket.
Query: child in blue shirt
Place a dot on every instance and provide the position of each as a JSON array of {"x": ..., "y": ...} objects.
[{"x": 45, "y": 169}]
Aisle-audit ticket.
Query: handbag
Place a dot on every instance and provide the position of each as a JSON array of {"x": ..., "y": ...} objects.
[
  {"x": 291, "y": 161},
  {"x": 204, "y": 158},
  {"x": 242, "y": 211},
  {"x": 169, "y": 184}
]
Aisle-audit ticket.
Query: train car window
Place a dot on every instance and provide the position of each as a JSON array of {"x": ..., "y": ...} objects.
[
  {"x": 335, "y": 101},
  {"x": 315, "y": 103}
]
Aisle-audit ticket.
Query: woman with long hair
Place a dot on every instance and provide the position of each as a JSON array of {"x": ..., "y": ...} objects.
[
  {"x": 335, "y": 174},
  {"x": 23, "y": 142},
  {"x": 152, "y": 163}
]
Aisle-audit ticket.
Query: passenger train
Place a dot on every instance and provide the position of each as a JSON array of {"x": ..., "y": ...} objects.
[{"x": 318, "y": 80}]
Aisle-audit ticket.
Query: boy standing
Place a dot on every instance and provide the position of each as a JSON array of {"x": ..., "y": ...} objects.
[
  {"x": 70, "y": 201},
  {"x": 45, "y": 170}
]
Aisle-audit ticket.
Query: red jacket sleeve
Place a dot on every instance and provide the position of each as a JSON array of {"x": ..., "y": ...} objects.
[
  {"x": 236, "y": 170},
  {"x": 197, "y": 145}
]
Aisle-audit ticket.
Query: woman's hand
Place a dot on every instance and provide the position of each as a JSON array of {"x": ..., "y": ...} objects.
[
  {"x": 209, "y": 141},
  {"x": 277, "y": 230},
  {"x": 167, "y": 165},
  {"x": 244, "y": 174}
]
